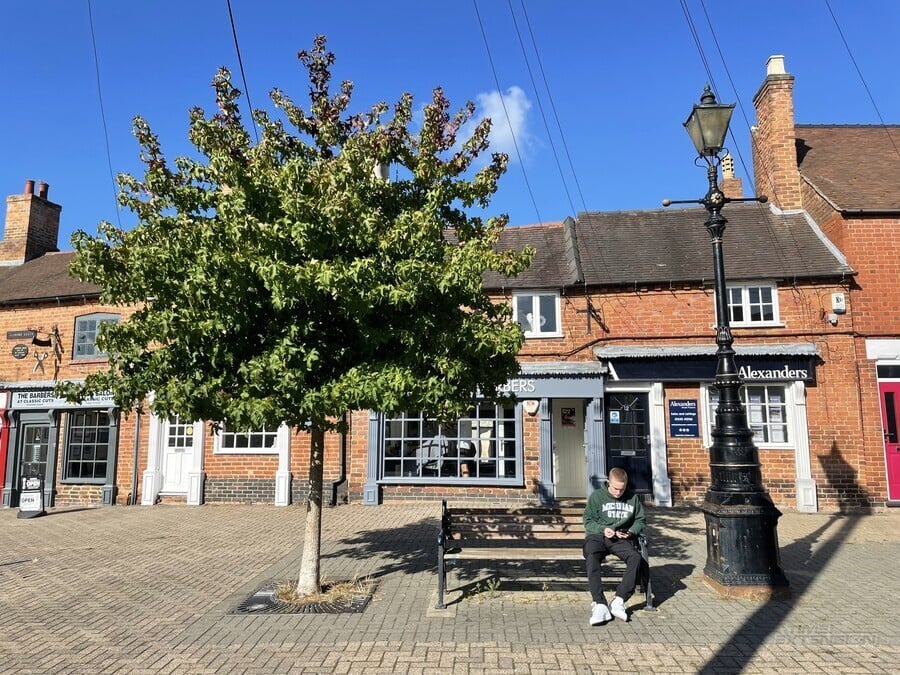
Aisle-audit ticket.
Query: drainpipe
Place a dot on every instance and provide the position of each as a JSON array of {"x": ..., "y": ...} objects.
[
  {"x": 132, "y": 500},
  {"x": 343, "y": 475}
]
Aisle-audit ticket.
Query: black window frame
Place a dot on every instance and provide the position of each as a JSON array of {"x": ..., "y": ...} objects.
[{"x": 78, "y": 433}]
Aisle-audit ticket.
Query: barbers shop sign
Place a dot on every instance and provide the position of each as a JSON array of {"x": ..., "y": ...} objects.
[{"x": 46, "y": 399}]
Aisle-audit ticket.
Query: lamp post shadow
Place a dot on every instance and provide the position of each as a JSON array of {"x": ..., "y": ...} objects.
[{"x": 804, "y": 559}]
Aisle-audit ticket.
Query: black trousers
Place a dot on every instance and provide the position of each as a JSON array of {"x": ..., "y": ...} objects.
[{"x": 596, "y": 548}]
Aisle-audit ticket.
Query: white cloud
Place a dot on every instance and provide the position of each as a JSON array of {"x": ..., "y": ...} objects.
[{"x": 509, "y": 121}]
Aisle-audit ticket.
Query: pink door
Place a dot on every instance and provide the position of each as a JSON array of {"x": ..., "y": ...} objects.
[{"x": 890, "y": 418}]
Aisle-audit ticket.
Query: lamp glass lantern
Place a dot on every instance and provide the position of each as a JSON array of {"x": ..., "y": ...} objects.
[{"x": 708, "y": 123}]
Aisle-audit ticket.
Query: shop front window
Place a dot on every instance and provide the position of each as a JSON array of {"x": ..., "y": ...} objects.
[
  {"x": 482, "y": 446},
  {"x": 87, "y": 446},
  {"x": 767, "y": 412}
]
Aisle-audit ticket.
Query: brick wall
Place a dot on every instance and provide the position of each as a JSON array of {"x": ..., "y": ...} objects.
[
  {"x": 32, "y": 225},
  {"x": 774, "y": 142},
  {"x": 242, "y": 490}
]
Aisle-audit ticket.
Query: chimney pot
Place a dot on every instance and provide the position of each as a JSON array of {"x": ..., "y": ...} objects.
[
  {"x": 29, "y": 187},
  {"x": 775, "y": 65},
  {"x": 43, "y": 189}
]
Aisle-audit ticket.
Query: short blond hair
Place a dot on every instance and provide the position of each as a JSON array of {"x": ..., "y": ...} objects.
[{"x": 618, "y": 474}]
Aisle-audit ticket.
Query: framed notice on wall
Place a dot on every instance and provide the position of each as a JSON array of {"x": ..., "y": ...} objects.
[{"x": 683, "y": 421}]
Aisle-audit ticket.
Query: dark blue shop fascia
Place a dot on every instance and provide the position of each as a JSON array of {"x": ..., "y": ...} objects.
[{"x": 696, "y": 363}]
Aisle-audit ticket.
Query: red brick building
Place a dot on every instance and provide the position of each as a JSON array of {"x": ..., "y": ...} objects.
[
  {"x": 845, "y": 177},
  {"x": 617, "y": 368}
]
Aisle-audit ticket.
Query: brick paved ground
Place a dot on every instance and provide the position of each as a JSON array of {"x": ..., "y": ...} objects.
[{"x": 149, "y": 590}]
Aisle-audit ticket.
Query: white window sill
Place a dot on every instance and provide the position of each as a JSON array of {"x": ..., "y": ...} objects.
[{"x": 538, "y": 336}]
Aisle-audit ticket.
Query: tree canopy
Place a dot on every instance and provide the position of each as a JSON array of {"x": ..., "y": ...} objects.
[{"x": 285, "y": 280}]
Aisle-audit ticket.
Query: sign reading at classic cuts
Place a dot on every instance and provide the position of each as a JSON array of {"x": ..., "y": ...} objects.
[{"x": 46, "y": 398}]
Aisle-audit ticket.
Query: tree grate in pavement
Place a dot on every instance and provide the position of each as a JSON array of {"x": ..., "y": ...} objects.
[{"x": 264, "y": 601}]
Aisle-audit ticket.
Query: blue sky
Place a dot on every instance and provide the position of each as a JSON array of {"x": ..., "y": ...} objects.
[{"x": 622, "y": 78}]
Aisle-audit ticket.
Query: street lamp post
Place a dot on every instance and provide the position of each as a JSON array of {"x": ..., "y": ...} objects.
[{"x": 741, "y": 520}]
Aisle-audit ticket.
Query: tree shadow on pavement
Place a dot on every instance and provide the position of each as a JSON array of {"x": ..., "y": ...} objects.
[
  {"x": 412, "y": 549},
  {"x": 408, "y": 549},
  {"x": 801, "y": 561}
]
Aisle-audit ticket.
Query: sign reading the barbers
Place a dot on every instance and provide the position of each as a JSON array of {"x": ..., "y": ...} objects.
[{"x": 46, "y": 398}]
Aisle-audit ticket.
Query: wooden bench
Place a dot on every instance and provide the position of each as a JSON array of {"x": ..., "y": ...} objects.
[{"x": 535, "y": 533}]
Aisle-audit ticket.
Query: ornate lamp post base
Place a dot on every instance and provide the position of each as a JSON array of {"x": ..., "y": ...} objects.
[{"x": 742, "y": 557}]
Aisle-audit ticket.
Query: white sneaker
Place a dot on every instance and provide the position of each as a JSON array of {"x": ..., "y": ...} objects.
[
  {"x": 618, "y": 609},
  {"x": 599, "y": 614}
]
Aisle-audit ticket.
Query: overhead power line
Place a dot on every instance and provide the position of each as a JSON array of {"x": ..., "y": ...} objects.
[
  {"x": 512, "y": 131},
  {"x": 537, "y": 99},
  {"x": 553, "y": 108},
  {"x": 861, "y": 78},
  {"x": 237, "y": 48},
  {"x": 112, "y": 176}
]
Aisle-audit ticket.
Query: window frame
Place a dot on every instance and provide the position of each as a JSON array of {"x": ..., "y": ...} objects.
[
  {"x": 447, "y": 464},
  {"x": 746, "y": 305},
  {"x": 100, "y": 318},
  {"x": 535, "y": 309},
  {"x": 788, "y": 406},
  {"x": 71, "y": 416},
  {"x": 280, "y": 435}
]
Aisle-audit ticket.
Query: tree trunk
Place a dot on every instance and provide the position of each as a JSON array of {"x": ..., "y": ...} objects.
[{"x": 309, "y": 581}]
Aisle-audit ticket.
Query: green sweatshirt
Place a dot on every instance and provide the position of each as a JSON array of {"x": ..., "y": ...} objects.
[{"x": 603, "y": 510}]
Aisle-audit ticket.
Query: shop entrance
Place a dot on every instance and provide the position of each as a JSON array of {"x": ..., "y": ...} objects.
[
  {"x": 569, "y": 457},
  {"x": 628, "y": 438},
  {"x": 890, "y": 418},
  {"x": 31, "y": 458}
]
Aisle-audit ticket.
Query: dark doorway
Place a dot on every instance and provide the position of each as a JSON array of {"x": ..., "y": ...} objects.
[{"x": 628, "y": 438}]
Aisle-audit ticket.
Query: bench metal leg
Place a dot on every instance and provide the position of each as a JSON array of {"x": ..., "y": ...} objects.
[
  {"x": 441, "y": 574},
  {"x": 645, "y": 573}
]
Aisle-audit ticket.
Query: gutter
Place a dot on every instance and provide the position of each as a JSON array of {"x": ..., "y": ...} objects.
[
  {"x": 132, "y": 498},
  {"x": 58, "y": 299},
  {"x": 342, "y": 478}
]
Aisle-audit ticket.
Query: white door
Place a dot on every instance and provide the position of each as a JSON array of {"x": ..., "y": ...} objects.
[
  {"x": 178, "y": 454},
  {"x": 569, "y": 457}
]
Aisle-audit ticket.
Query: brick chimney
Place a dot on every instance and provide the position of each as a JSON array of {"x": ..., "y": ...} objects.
[
  {"x": 731, "y": 186},
  {"x": 774, "y": 138},
  {"x": 32, "y": 226}
]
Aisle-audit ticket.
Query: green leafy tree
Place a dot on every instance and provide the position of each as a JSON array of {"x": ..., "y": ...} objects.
[{"x": 287, "y": 280}]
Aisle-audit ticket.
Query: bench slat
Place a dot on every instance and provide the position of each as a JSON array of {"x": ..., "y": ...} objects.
[{"x": 509, "y": 553}]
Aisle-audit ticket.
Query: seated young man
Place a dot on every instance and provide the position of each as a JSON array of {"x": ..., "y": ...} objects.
[{"x": 613, "y": 518}]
